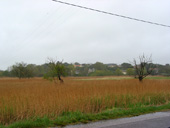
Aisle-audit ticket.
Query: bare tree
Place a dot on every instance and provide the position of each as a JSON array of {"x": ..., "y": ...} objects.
[
  {"x": 144, "y": 67},
  {"x": 56, "y": 70}
]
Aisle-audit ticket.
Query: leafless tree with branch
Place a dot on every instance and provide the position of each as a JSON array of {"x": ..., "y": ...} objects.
[{"x": 144, "y": 68}]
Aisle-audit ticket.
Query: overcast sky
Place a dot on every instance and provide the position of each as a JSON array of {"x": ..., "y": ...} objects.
[{"x": 32, "y": 30}]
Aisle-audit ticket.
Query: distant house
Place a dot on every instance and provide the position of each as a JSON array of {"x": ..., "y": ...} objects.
[
  {"x": 79, "y": 65},
  {"x": 119, "y": 66},
  {"x": 77, "y": 72},
  {"x": 156, "y": 70},
  {"x": 112, "y": 65},
  {"x": 124, "y": 72},
  {"x": 91, "y": 70}
]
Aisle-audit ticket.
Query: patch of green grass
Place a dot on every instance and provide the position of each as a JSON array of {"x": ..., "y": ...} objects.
[
  {"x": 37, "y": 123},
  {"x": 125, "y": 78},
  {"x": 107, "y": 78},
  {"x": 158, "y": 77},
  {"x": 79, "y": 117}
]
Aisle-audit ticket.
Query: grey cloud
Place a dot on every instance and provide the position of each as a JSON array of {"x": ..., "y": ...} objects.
[{"x": 33, "y": 30}]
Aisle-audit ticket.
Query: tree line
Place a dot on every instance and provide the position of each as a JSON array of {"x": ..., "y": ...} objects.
[{"x": 23, "y": 70}]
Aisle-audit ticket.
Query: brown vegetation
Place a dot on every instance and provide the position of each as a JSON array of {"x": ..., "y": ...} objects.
[{"x": 29, "y": 98}]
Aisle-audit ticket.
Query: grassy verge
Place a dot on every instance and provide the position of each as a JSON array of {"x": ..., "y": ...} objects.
[
  {"x": 79, "y": 117},
  {"x": 158, "y": 77},
  {"x": 121, "y": 78}
]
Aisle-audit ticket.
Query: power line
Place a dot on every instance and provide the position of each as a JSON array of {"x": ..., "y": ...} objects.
[{"x": 109, "y": 13}]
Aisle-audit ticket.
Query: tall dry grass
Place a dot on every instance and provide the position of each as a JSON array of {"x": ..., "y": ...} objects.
[{"x": 29, "y": 98}]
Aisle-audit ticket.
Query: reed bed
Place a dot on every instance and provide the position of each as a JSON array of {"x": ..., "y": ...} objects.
[{"x": 31, "y": 98}]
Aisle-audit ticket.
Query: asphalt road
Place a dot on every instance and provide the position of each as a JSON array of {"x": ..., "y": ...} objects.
[{"x": 155, "y": 120}]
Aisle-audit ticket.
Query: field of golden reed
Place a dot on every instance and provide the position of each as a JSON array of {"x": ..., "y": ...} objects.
[{"x": 30, "y": 98}]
